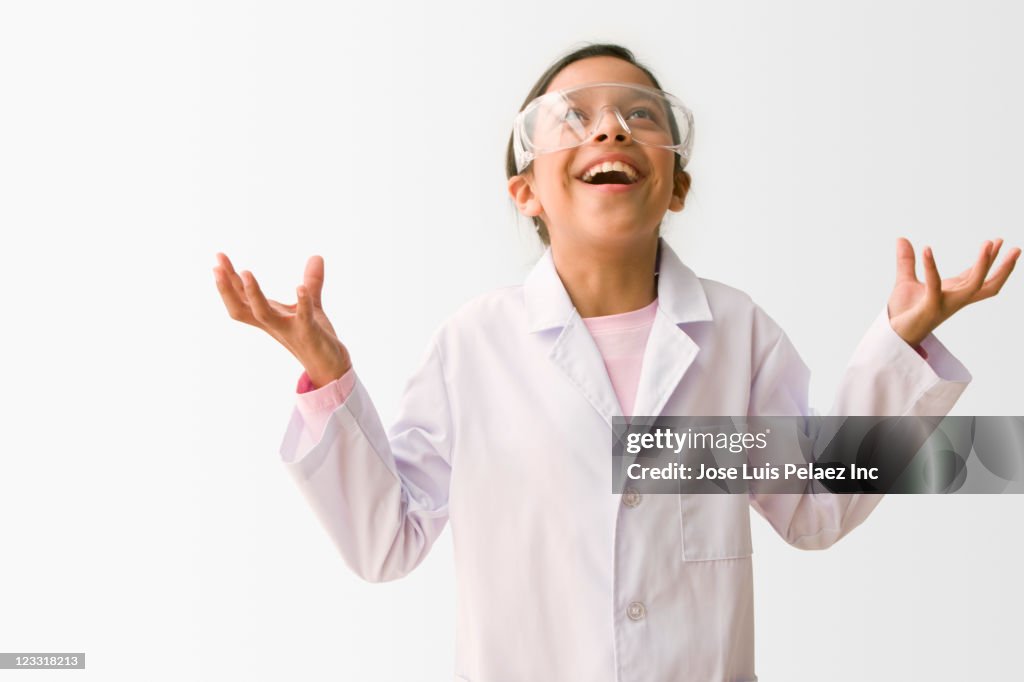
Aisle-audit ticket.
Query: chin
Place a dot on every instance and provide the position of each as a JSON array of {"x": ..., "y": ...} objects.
[{"x": 623, "y": 233}]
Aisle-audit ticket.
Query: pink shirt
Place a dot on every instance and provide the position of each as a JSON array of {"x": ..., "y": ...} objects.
[{"x": 621, "y": 340}]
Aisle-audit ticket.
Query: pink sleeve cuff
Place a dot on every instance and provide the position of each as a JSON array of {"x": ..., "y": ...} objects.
[
  {"x": 316, "y": 404},
  {"x": 305, "y": 384},
  {"x": 345, "y": 383},
  {"x": 921, "y": 351}
]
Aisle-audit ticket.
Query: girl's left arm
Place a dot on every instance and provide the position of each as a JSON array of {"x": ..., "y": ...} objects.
[{"x": 885, "y": 377}]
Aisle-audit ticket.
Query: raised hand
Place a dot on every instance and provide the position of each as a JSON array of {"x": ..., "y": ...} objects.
[
  {"x": 302, "y": 328},
  {"x": 916, "y": 308}
]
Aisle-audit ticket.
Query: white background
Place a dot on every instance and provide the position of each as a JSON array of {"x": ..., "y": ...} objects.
[{"x": 144, "y": 516}]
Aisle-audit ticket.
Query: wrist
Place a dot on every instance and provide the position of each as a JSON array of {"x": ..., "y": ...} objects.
[
  {"x": 327, "y": 365},
  {"x": 913, "y": 333},
  {"x": 321, "y": 377}
]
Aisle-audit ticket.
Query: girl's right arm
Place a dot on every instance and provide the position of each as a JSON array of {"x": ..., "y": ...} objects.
[{"x": 381, "y": 495}]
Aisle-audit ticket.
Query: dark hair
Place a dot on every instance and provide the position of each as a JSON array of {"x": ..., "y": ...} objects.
[{"x": 539, "y": 88}]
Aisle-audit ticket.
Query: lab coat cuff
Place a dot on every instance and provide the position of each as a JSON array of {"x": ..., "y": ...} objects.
[
  {"x": 312, "y": 413},
  {"x": 327, "y": 398},
  {"x": 355, "y": 422},
  {"x": 934, "y": 383}
]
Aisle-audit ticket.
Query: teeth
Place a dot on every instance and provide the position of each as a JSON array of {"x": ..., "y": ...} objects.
[{"x": 611, "y": 166}]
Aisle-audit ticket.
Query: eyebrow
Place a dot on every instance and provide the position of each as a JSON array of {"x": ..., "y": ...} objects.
[{"x": 633, "y": 98}]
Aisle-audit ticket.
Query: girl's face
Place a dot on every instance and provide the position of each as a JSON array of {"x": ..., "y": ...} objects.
[{"x": 603, "y": 215}]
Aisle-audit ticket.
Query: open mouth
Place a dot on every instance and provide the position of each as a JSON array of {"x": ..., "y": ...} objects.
[
  {"x": 610, "y": 178},
  {"x": 611, "y": 173}
]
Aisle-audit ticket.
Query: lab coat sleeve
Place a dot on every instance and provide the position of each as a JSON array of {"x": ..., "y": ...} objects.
[
  {"x": 381, "y": 495},
  {"x": 885, "y": 377},
  {"x": 315, "y": 405}
]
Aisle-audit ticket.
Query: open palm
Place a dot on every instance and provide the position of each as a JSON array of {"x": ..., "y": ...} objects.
[
  {"x": 302, "y": 328},
  {"x": 916, "y": 308}
]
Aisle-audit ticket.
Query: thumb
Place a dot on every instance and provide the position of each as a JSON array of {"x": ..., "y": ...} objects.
[
  {"x": 905, "y": 261},
  {"x": 313, "y": 279}
]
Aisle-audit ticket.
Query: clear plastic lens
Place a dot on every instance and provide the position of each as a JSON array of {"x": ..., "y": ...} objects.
[
  {"x": 558, "y": 126},
  {"x": 568, "y": 118}
]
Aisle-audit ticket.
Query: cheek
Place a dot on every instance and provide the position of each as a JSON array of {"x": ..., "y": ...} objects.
[
  {"x": 669, "y": 179},
  {"x": 660, "y": 188},
  {"x": 553, "y": 168},
  {"x": 552, "y": 183}
]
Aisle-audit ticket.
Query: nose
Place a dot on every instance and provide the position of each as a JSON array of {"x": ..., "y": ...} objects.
[{"x": 610, "y": 124}]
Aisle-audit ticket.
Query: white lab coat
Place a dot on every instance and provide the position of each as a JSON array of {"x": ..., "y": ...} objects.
[{"x": 505, "y": 431}]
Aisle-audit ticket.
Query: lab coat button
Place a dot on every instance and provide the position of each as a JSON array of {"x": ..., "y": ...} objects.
[
  {"x": 636, "y": 611},
  {"x": 630, "y": 497}
]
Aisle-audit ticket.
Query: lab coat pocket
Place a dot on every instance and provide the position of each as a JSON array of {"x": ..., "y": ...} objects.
[{"x": 714, "y": 526}]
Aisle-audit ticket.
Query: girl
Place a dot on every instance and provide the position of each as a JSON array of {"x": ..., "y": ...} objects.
[{"x": 504, "y": 428}]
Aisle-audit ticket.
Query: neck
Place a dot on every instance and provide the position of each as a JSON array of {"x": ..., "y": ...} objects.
[{"x": 603, "y": 280}]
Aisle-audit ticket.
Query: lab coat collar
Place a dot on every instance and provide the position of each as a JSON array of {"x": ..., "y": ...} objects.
[
  {"x": 669, "y": 352},
  {"x": 680, "y": 294}
]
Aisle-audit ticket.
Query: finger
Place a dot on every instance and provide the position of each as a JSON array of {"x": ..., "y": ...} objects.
[
  {"x": 981, "y": 266},
  {"x": 932, "y": 281},
  {"x": 996, "y": 245},
  {"x": 994, "y": 283},
  {"x": 233, "y": 277},
  {"x": 224, "y": 262},
  {"x": 964, "y": 276},
  {"x": 313, "y": 279},
  {"x": 237, "y": 308},
  {"x": 905, "y": 261},
  {"x": 257, "y": 301},
  {"x": 304, "y": 308}
]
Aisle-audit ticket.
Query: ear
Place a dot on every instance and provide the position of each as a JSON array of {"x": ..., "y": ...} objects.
[
  {"x": 680, "y": 186},
  {"x": 522, "y": 194}
]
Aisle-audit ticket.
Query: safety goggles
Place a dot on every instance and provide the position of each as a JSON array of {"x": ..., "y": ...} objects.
[{"x": 567, "y": 118}]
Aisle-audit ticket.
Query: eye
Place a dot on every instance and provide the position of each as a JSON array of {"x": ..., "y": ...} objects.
[
  {"x": 645, "y": 113},
  {"x": 572, "y": 114}
]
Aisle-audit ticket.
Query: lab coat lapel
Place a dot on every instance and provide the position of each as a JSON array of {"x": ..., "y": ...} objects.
[
  {"x": 576, "y": 354},
  {"x": 550, "y": 311},
  {"x": 670, "y": 351}
]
